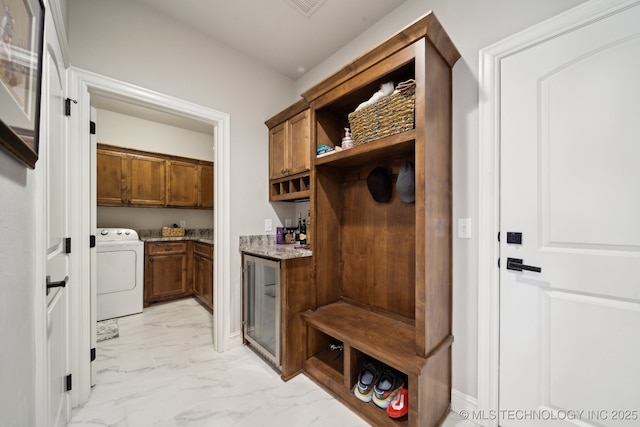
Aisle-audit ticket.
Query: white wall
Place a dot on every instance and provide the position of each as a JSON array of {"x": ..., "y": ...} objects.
[
  {"x": 127, "y": 131},
  {"x": 126, "y": 41},
  {"x": 123, "y": 130},
  {"x": 18, "y": 257},
  {"x": 472, "y": 25}
]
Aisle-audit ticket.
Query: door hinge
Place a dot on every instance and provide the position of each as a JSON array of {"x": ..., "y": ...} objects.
[
  {"x": 92, "y": 127},
  {"x": 67, "y": 106},
  {"x": 93, "y": 354},
  {"x": 92, "y": 241},
  {"x": 68, "y": 383},
  {"x": 67, "y": 245}
]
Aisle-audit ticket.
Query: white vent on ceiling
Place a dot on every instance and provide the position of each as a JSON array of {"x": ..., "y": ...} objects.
[{"x": 305, "y": 7}]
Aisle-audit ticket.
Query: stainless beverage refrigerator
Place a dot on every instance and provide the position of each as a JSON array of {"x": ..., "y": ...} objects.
[{"x": 262, "y": 307}]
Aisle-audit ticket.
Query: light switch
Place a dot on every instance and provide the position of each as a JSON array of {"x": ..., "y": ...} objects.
[
  {"x": 464, "y": 228},
  {"x": 268, "y": 225}
]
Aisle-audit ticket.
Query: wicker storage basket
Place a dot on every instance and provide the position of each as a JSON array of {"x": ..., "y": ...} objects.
[
  {"x": 390, "y": 115},
  {"x": 172, "y": 231}
]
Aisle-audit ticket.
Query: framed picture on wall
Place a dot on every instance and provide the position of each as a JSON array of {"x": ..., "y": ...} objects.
[{"x": 21, "y": 38}]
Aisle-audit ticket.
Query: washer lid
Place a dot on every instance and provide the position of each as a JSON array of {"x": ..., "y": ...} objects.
[{"x": 116, "y": 234}]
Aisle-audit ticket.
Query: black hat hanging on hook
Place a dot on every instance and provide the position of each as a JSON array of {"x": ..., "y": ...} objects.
[{"x": 379, "y": 184}]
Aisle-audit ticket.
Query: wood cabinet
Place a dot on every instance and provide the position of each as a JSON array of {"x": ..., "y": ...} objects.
[
  {"x": 166, "y": 271},
  {"x": 111, "y": 170},
  {"x": 203, "y": 274},
  {"x": 182, "y": 184},
  {"x": 129, "y": 177},
  {"x": 289, "y": 153},
  {"x": 382, "y": 285},
  {"x": 145, "y": 181},
  {"x": 295, "y": 276},
  {"x": 206, "y": 186}
]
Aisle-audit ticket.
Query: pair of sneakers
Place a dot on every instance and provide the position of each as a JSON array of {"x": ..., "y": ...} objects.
[{"x": 378, "y": 384}]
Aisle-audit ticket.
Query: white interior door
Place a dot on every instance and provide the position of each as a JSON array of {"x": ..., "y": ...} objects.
[
  {"x": 570, "y": 152},
  {"x": 54, "y": 144}
]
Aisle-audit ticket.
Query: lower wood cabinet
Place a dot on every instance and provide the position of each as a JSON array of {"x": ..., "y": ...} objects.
[
  {"x": 166, "y": 271},
  {"x": 178, "y": 269},
  {"x": 203, "y": 274}
]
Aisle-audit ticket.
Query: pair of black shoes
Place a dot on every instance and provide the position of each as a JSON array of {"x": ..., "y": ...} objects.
[{"x": 378, "y": 383}]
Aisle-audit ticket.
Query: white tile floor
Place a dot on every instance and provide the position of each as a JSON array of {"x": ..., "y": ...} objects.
[{"x": 162, "y": 371}]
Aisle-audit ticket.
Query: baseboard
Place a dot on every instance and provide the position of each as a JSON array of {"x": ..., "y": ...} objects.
[{"x": 463, "y": 402}]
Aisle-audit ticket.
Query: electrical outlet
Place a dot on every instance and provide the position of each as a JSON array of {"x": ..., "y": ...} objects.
[
  {"x": 268, "y": 225},
  {"x": 183, "y": 223},
  {"x": 464, "y": 228}
]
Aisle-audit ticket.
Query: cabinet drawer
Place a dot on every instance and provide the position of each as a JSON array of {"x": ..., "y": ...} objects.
[
  {"x": 166, "y": 248},
  {"x": 203, "y": 249}
]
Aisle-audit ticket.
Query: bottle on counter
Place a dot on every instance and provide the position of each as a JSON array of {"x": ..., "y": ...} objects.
[
  {"x": 303, "y": 233},
  {"x": 299, "y": 229}
]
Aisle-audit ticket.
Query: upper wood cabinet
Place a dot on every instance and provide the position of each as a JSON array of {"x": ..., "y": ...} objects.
[
  {"x": 205, "y": 178},
  {"x": 112, "y": 177},
  {"x": 146, "y": 181},
  {"x": 289, "y": 153},
  {"x": 128, "y": 177},
  {"x": 182, "y": 189}
]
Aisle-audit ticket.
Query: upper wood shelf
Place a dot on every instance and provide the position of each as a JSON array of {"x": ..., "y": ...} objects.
[{"x": 384, "y": 148}]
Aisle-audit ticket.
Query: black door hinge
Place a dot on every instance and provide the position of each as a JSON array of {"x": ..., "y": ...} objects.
[
  {"x": 92, "y": 241},
  {"x": 93, "y": 354},
  {"x": 68, "y": 383},
  {"x": 67, "y": 245},
  {"x": 67, "y": 106},
  {"x": 92, "y": 128}
]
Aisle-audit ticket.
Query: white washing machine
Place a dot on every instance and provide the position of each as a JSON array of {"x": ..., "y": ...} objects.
[{"x": 120, "y": 265}]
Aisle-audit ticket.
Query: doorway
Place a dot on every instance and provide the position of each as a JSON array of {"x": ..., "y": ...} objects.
[{"x": 86, "y": 86}]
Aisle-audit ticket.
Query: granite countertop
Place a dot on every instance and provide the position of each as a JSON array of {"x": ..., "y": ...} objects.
[
  {"x": 203, "y": 235},
  {"x": 265, "y": 245}
]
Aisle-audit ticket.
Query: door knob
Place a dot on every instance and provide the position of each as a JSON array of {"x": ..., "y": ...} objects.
[
  {"x": 60, "y": 284},
  {"x": 517, "y": 265}
]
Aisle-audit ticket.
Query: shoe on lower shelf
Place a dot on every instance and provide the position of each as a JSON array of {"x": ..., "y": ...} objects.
[
  {"x": 399, "y": 405},
  {"x": 386, "y": 388},
  {"x": 367, "y": 379}
]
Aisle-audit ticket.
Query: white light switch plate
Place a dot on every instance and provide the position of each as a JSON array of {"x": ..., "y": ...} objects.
[
  {"x": 464, "y": 228},
  {"x": 268, "y": 225}
]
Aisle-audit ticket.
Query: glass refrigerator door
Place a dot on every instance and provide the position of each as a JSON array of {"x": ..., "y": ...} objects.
[{"x": 262, "y": 306}]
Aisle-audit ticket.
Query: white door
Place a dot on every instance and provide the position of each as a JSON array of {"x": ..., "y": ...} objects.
[
  {"x": 570, "y": 177},
  {"x": 54, "y": 144}
]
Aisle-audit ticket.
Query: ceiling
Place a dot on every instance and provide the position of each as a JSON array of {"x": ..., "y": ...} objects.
[
  {"x": 290, "y": 36},
  {"x": 275, "y": 32}
]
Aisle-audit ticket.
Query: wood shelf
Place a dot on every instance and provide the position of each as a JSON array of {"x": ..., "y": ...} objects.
[
  {"x": 290, "y": 188},
  {"x": 384, "y": 148}
]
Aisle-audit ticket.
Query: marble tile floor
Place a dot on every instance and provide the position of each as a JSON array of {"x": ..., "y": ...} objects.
[{"x": 162, "y": 371}]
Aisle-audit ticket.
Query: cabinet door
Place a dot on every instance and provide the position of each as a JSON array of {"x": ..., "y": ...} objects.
[
  {"x": 182, "y": 187},
  {"x": 278, "y": 151},
  {"x": 146, "y": 181},
  {"x": 298, "y": 143},
  {"x": 166, "y": 271},
  {"x": 111, "y": 177},
  {"x": 203, "y": 279},
  {"x": 205, "y": 181}
]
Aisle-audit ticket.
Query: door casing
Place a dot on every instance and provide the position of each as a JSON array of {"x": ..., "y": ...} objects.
[{"x": 84, "y": 83}]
